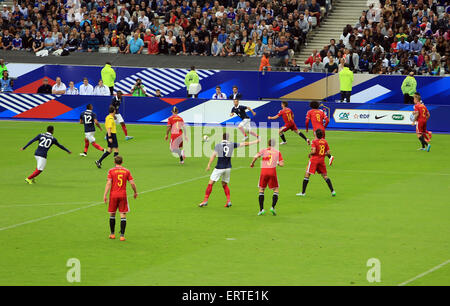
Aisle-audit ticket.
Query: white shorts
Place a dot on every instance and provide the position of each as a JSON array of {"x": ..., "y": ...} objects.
[
  {"x": 245, "y": 123},
  {"x": 90, "y": 136},
  {"x": 221, "y": 173},
  {"x": 41, "y": 162},
  {"x": 119, "y": 119}
]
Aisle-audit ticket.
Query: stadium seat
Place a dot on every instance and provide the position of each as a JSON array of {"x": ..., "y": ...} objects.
[
  {"x": 114, "y": 50},
  {"x": 103, "y": 50}
]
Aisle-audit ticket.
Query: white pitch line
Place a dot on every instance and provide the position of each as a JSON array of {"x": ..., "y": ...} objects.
[
  {"x": 46, "y": 204},
  {"x": 425, "y": 273},
  {"x": 98, "y": 203}
]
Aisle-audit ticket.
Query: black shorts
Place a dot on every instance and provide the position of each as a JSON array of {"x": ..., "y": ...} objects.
[{"x": 114, "y": 143}]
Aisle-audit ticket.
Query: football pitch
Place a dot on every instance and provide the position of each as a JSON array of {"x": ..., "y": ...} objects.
[{"x": 392, "y": 204}]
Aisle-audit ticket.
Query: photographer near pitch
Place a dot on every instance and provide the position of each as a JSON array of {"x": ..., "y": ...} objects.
[{"x": 138, "y": 89}]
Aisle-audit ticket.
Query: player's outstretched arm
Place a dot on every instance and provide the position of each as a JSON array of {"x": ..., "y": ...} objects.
[
  {"x": 30, "y": 142},
  {"x": 255, "y": 158},
  {"x": 273, "y": 117},
  {"x": 97, "y": 124},
  {"x": 245, "y": 144},
  {"x": 107, "y": 187},
  {"x": 211, "y": 159},
  {"x": 62, "y": 147},
  {"x": 249, "y": 108},
  {"x": 133, "y": 186}
]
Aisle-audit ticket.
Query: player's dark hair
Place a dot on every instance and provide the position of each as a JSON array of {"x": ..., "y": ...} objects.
[
  {"x": 225, "y": 136},
  {"x": 418, "y": 95},
  {"x": 89, "y": 106},
  {"x": 235, "y": 86},
  {"x": 192, "y": 67},
  {"x": 319, "y": 133},
  {"x": 50, "y": 129},
  {"x": 272, "y": 142},
  {"x": 314, "y": 104},
  {"x": 111, "y": 109},
  {"x": 118, "y": 160},
  {"x": 175, "y": 110},
  {"x": 285, "y": 103}
]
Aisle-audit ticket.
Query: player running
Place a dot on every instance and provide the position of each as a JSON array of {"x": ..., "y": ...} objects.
[
  {"x": 244, "y": 126},
  {"x": 270, "y": 159},
  {"x": 421, "y": 116},
  {"x": 223, "y": 151},
  {"x": 175, "y": 126},
  {"x": 111, "y": 136},
  {"x": 319, "y": 148},
  {"x": 319, "y": 120},
  {"x": 117, "y": 186},
  {"x": 116, "y": 101},
  {"x": 289, "y": 124},
  {"x": 46, "y": 140},
  {"x": 89, "y": 119}
]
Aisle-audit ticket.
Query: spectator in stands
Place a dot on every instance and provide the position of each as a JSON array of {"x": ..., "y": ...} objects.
[
  {"x": 158, "y": 93},
  {"x": 152, "y": 46},
  {"x": 318, "y": 66},
  {"x": 101, "y": 89},
  {"x": 294, "y": 67},
  {"x": 6, "y": 84},
  {"x": 331, "y": 66},
  {"x": 346, "y": 81},
  {"x": 7, "y": 40},
  {"x": 312, "y": 59},
  {"x": 135, "y": 45},
  {"x": 282, "y": 52},
  {"x": 3, "y": 66},
  {"x": 59, "y": 88},
  {"x": 86, "y": 89},
  {"x": 60, "y": 42},
  {"x": 45, "y": 88},
  {"x": 49, "y": 43},
  {"x": 72, "y": 90},
  {"x": 138, "y": 89},
  {"x": 216, "y": 47},
  {"x": 265, "y": 64},
  {"x": 93, "y": 43},
  {"x": 235, "y": 94},
  {"x": 219, "y": 95},
  {"x": 17, "y": 42}
]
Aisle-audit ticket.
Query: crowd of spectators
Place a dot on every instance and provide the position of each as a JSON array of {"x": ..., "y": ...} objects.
[
  {"x": 392, "y": 37},
  {"x": 170, "y": 27}
]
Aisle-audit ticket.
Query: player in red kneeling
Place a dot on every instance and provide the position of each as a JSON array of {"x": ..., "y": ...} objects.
[
  {"x": 319, "y": 148},
  {"x": 117, "y": 183},
  {"x": 270, "y": 159},
  {"x": 421, "y": 116},
  {"x": 289, "y": 124},
  {"x": 175, "y": 126},
  {"x": 319, "y": 120}
]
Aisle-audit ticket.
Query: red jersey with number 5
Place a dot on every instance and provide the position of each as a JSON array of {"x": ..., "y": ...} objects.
[
  {"x": 119, "y": 177},
  {"x": 322, "y": 148},
  {"x": 176, "y": 123},
  {"x": 317, "y": 118},
  {"x": 422, "y": 111},
  {"x": 288, "y": 116}
]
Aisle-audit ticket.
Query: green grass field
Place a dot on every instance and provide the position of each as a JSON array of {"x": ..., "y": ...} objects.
[{"x": 392, "y": 204}]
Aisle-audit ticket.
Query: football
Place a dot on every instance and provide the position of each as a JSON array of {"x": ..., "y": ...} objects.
[{"x": 205, "y": 138}]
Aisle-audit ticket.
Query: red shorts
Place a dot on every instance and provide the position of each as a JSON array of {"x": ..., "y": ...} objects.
[
  {"x": 176, "y": 142},
  {"x": 288, "y": 127},
  {"x": 118, "y": 203},
  {"x": 268, "y": 179},
  {"x": 421, "y": 127},
  {"x": 315, "y": 165}
]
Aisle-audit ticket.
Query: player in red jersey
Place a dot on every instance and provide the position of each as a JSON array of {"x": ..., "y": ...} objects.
[
  {"x": 421, "y": 116},
  {"x": 175, "y": 126},
  {"x": 289, "y": 124},
  {"x": 319, "y": 120},
  {"x": 270, "y": 159},
  {"x": 319, "y": 148},
  {"x": 117, "y": 183}
]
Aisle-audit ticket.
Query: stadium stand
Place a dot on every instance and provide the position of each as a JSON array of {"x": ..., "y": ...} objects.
[{"x": 390, "y": 37}]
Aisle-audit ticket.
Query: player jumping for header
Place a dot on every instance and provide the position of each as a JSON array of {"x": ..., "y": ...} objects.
[
  {"x": 268, "y": 177},
  {"x": 319, "y": 148},
  {"x": 289, "y": 124},
  {"x": 116, "y": 101},
  {"x": 111, "y": 136},
  {"x": 244, "y": 126},
  {"x": 89, "y": 119},
  {"x": 176, "y": 128},
  {"x": 319, "y": 120},
  {"x": 421, "y": 116},
  {"x": 117, "y": 186},
  {"x": 46, "y": 140},
  {"x": 223, "y": 151}
]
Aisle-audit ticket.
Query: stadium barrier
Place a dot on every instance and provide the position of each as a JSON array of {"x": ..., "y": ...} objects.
[
  {"x": 368, "y": 117},
  {"x": 253, "y": 85}
]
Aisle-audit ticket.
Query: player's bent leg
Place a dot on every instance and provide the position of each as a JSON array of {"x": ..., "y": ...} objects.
[
  {"x": 207, "y": 192},
  {"x": 330, "y": 185}
]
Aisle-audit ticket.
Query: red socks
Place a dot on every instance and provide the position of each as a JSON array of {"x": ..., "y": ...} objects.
[
  {"x": 86, "y": 145},
  {"x": 227, "y": 192},
  {"x": 243, "y": 131},
  {"x": 208, "y": 192},
  {"x": 34, "y": 174},
  {"x": 124, "y": 128},
  {"x": 98, "y": 147}
]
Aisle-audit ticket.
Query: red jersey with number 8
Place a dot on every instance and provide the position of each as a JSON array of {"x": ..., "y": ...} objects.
[
  {"x": 322, "y": 148},
  {"x": 119, "y": 177},
  {"x": 317, "y": 118}
]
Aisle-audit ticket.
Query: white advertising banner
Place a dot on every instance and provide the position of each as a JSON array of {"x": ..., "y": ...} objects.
[{"x": 372, "y": 116}]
